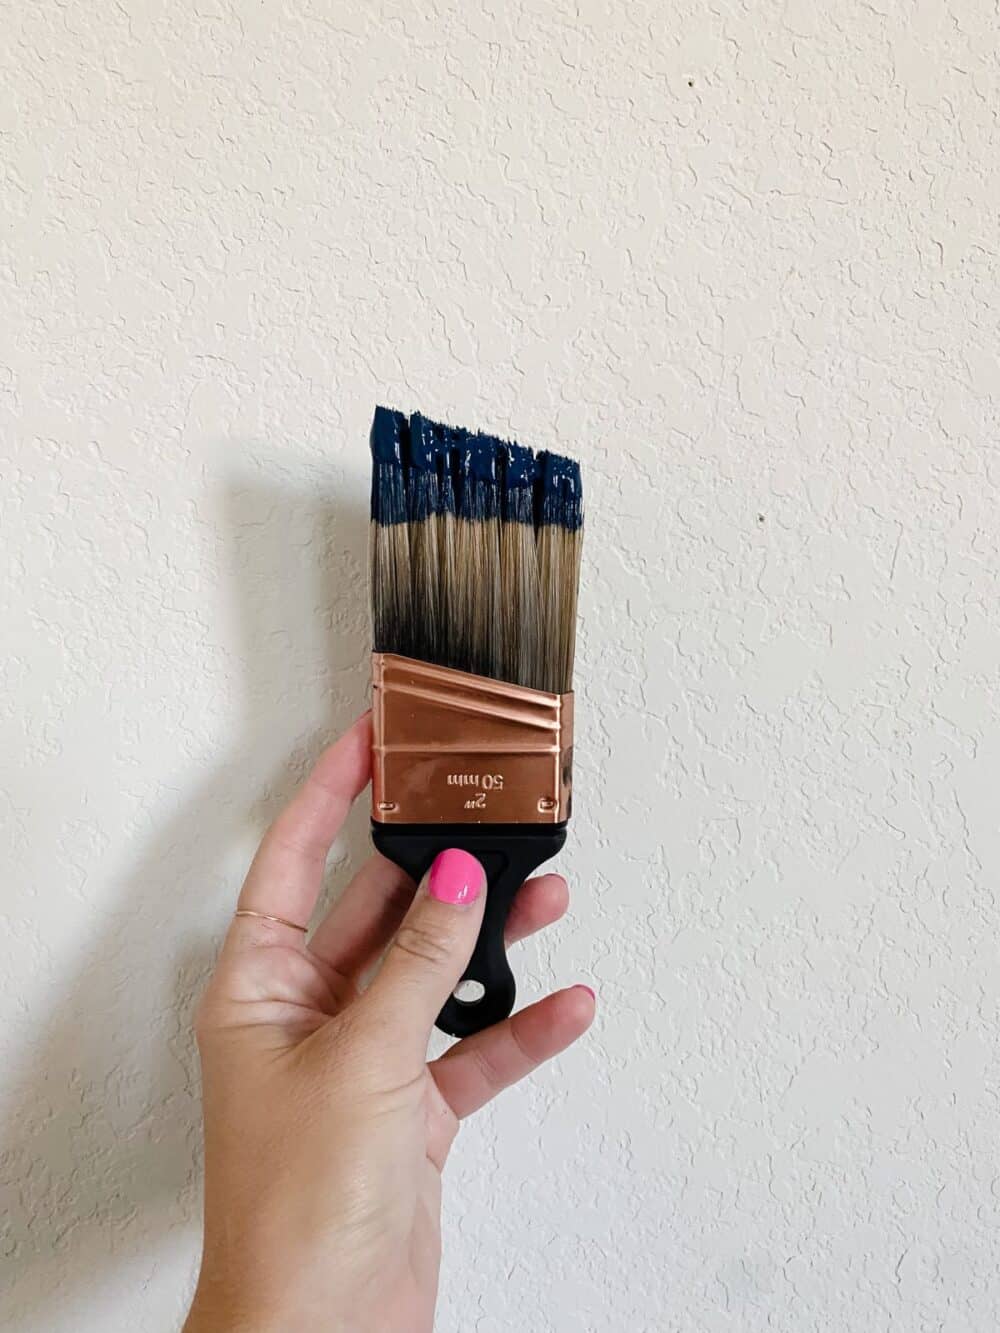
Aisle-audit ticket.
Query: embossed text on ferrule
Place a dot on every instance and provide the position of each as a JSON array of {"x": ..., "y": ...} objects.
[{"x": 448, "y": 746}]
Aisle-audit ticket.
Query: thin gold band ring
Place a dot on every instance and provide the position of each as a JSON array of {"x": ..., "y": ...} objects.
[{"x": 265, "y": 916}]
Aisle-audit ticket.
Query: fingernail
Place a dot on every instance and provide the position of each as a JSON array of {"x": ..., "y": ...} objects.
[
  {"x": 456, "y": 877},
  {"x": 580, "y": 986}
]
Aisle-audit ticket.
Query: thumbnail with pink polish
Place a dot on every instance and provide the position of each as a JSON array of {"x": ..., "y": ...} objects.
[{"x": 456, "y": 877}]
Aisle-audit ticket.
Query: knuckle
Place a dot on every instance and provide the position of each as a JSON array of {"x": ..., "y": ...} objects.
[
  {"x": 291, "y": 841},
  {"x": 488, "y": 1070},
  {"x": 518, "y": 1044},
  {"x": 427, "y": 946}
]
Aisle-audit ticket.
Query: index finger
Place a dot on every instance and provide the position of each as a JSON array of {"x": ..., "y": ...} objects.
[{"x": 287, "y": 873}]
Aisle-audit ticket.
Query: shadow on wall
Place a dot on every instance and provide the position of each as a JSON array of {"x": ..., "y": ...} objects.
[{"x": 101, "y": 1156}]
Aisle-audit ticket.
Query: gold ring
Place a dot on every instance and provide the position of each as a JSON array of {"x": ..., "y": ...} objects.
[{"x": 264, "y": 916}]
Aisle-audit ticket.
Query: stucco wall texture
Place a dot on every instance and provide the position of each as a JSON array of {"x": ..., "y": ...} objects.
[{"x": 742, "y": 260}]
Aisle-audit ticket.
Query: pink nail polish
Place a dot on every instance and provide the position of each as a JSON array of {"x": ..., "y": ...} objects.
[
  {"x": 456, "y": 877},
  {"x": 580, "y": 986}
]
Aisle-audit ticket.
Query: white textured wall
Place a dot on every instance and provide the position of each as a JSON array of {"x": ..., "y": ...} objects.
[{"x": 742, "y": 260}]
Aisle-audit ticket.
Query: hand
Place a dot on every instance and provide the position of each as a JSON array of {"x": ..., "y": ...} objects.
[{"x": 326, "y": 1130}]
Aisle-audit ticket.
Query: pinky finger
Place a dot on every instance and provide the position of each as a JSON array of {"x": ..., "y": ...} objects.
[{"x": 476, "y": 1069}]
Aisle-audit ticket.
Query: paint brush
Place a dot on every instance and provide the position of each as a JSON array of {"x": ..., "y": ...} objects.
[{"x": 475, "y": 559}]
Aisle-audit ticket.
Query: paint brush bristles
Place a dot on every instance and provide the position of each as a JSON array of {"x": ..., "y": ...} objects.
[
  {"x": 560, "y": 533},
  {"x": 518, "y": 566},
  {"x": 423, "y": 505},
  {"x": 389, "y": 551},
  {"x": 475, "y": 552},
  {"x": 477, "y": 557}
]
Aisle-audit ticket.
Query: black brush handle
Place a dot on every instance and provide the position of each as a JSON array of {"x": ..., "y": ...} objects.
[{"x": 508, "y": 853}]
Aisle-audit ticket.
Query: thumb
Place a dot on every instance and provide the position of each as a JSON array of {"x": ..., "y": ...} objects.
[{"x": 432, "y": 947}]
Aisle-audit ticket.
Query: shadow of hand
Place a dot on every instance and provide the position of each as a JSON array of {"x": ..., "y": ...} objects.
[{"x": 101, "y": 1142}]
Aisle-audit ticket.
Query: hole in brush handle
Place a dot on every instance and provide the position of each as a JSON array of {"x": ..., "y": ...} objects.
[
  {"x": 469, "y": 992},
  {"x": 509, "y": 853}
]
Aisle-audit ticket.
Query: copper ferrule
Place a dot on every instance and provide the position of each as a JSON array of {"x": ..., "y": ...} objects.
[{"x": 453, "y": 748}]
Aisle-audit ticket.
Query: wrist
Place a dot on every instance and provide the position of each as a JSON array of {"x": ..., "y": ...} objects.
[
  {"x": 211, "y": 1319},
  {"x": 207, "y": 1317}
]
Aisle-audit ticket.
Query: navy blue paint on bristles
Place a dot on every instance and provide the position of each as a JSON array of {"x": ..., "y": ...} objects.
[
  {"x": 447, "y": 501},
  {"x": 423, "y": 487},
  {"x": 480, "y": 457},
  {"x": 420, "y": 467},
  {"x": 519, "y": 465},
  {"x": 517, "y": 500},
  {"x": 425, "y": 446},
  {"x": 387, "y": 435},
  {"x": 388, "y": 439},
  {"x": 560, "y": 491},
  {"x": 478, "y": 494}
]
